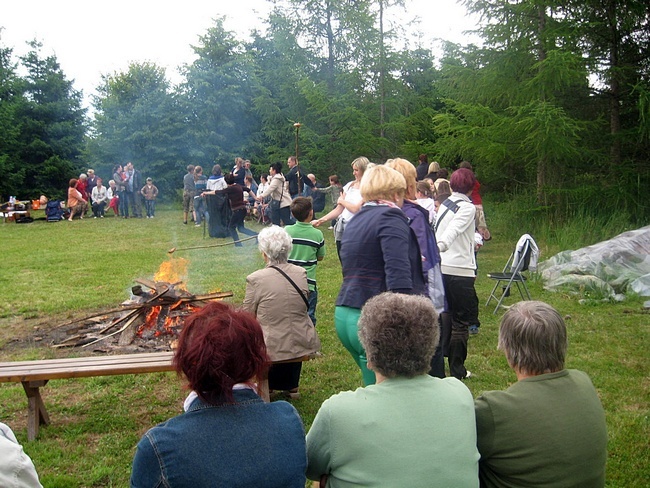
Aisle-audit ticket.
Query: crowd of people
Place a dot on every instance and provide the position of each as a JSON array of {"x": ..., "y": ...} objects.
[
  {"x": 407, "y": 239},
  {"x": 124, "y": 194}
]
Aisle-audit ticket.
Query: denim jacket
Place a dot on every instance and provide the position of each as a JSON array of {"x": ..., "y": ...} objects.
[{"x": 248, "y": 443}]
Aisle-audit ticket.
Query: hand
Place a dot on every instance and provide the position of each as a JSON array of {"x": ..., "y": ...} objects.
[{"x": 316, "y": 222}]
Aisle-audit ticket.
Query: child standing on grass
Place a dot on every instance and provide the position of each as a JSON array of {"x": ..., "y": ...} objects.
[
  {"x": 150, "y": 192},
  {"x": 308, "y": 246}
]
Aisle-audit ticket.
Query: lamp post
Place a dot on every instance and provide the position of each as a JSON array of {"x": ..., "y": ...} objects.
[{"x": 297, "y": 127}]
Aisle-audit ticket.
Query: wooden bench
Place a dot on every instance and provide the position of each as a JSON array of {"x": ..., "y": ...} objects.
[{"x": 35, "y": 374}]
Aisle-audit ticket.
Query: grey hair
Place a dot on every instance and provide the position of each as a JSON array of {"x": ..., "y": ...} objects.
[
  {"x": 399, "y": 334},
  {"x": 275, "y": 243},
  {"x": 533, "y": 337}
]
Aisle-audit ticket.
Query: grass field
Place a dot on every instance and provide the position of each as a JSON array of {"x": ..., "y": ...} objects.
[{"x": 52, "y": 272}]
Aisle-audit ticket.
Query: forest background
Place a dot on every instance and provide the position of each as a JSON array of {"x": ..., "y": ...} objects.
[{"x": 552, "y": 109}]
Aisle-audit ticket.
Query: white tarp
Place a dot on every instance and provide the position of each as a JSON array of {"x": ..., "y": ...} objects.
[{"x": 604, "y": 270}]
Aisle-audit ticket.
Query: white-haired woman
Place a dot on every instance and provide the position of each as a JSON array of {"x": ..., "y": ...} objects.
[
  {"x": 409, "y": 429},
  {"x": 277, "y": 295}
]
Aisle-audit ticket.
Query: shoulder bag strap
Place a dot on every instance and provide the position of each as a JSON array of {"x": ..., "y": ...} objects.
[
  {"x": 302, "y": 295},
  {"x": 451, "y": 205}
]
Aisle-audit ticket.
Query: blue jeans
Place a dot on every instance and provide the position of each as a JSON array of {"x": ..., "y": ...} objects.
[
  {"x": 313, "y": 300},
  {"x": 151, "y": 207},
  {"x": 200, "y": 210},
  {"x": 237, "y": 223}
]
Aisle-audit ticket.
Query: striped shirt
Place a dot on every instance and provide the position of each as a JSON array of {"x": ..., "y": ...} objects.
[{"x": 308, "y": 247}]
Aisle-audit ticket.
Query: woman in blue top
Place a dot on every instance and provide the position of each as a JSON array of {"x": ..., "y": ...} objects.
[
  {"x": 379, "y": 252},
  {"x": 228, "y": 436}
]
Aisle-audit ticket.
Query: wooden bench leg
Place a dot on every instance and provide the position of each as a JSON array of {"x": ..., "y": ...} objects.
[{"x": 36, "y": 413}]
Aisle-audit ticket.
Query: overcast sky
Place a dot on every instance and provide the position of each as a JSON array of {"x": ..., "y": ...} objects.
[{"x": 94, "y": 38}]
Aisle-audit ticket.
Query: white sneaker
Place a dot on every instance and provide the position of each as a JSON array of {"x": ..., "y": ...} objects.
[{"x": 468, "y": 375}]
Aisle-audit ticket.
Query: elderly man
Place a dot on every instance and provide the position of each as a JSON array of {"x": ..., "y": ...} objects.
[
  {"x": 547, "y": 429},
  {"x": 409, "y": 429}
]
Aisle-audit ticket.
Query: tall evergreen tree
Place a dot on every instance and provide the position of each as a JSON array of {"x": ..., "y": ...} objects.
[
  {"x": 10, "y": 99},
  {"x": 217, "y": 98},
  {"x": 52, "y": 126},
  {"x": 136, "y": 119}
]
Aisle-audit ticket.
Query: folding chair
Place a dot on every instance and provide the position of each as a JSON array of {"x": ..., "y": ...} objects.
[{"x": 522, "y": 258}]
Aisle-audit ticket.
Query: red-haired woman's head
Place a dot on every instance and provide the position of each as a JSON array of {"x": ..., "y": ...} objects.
[
  {"x": 219, "y": 347},
  {"x": 462, "y": 180}
]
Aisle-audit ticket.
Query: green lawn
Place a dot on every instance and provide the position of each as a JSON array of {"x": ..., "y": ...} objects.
[{"x": 51, "y": 272}]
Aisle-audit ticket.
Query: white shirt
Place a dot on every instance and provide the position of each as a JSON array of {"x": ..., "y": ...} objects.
[{"x": 16, "y": 468}]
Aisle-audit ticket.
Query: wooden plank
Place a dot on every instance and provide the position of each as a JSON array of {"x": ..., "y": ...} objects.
[
  {"x": 98, "y": 359},
  {"x": 87, "y": 366}
]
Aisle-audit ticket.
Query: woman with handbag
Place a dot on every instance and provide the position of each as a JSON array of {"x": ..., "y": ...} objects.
[
  {"x": 278, "y": 190},
  {"x": 277, "y": 295}
]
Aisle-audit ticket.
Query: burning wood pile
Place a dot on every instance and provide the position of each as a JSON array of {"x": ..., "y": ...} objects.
[{"x": 151, "y": 319}]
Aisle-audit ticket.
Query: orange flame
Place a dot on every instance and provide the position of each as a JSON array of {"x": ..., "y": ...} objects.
[{"x": 172, "y": 271}]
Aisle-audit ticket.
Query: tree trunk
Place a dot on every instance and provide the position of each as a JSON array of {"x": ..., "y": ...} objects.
[
  {"x": 614, "y": 86},
  {"x": 382, "y": 64}
]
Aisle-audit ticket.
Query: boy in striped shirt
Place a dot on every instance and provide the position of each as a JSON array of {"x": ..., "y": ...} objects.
[{"x": 308, "y": 246}]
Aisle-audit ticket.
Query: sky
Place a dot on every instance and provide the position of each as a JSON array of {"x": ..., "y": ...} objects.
[{"x": 91, "y": 39}]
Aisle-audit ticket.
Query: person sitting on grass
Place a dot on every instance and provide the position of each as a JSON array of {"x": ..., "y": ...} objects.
[
  {"x": 228, "y": 436},
  {"x": 407, "y": 430},
  {"x": 99, "y": 198},
  {"x": 547, "y": 429},
  {"x": 308, "y": 246},
  {"x": 76, "y": 203}
]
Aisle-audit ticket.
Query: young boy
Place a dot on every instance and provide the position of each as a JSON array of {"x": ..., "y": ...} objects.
[
  {"x": 308, "y": 246},
  {"x": 150, "y": 192}
]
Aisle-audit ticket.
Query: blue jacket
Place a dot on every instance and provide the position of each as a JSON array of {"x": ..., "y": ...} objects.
[
  {"x": 244, "y": 444},
  {"x": 379, "y": 252}
]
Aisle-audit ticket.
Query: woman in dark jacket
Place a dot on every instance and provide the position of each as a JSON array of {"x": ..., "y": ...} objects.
[{"x": 379, "y": 253}]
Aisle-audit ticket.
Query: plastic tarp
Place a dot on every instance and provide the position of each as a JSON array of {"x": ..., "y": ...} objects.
[{"x": 607, "y": 269}]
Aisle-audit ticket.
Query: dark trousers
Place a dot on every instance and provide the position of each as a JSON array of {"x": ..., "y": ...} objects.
[
  {"x": 438, "y": 360},
  {"x": 98, "y": 209},
  {"x": 281, "y": 214},
  {"x": 284, "y": 376},
  {"x": 128, "y": 202},
  {"x": 463, "y": 308},
  {"x": 237, "y": 223},
  {"x": 313, "y": 301}
]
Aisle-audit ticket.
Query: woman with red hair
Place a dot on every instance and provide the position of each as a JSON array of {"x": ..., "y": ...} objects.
[
  {"x": 455, "y": 234},
  {"x": 228, "y": 436}
]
